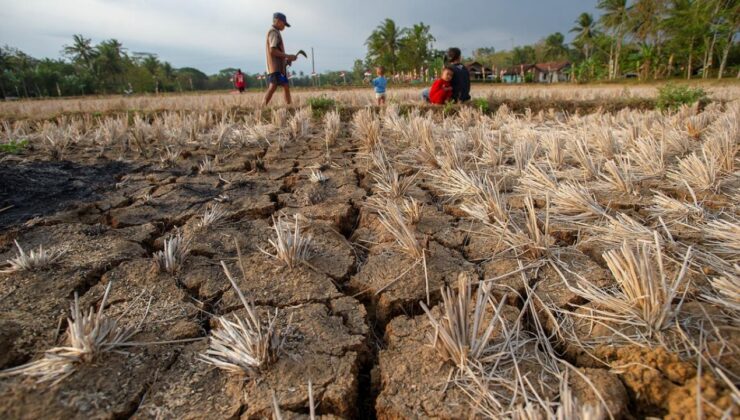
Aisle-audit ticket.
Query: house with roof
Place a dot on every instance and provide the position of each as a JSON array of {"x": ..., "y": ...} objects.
[
  {"x": 516, "y": 74},
  {"x": 478, "y": 71},
  {"x": 552, "y": 71}
]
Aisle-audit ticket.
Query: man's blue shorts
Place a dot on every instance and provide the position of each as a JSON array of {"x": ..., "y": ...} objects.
[{"x": 277, "y": 78}]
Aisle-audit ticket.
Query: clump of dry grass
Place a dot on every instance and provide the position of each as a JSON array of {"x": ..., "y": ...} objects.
[
  {"x": 648, "y": 154},
  {"x": 524, "y": 151},
  {"x": 245, "y": 345},
  {"x": 537, "y": 181},
  {"x": 211, "y": 217},
  {"x": 387, "y": 180},
  {"x": 412, "y": 210},
  {"x": 317, "y": 177},
  {"x": 701, "y": 173},
  {"x": 618, "y": 175},
  {"x": 622, "y": 227},
  {"x": 169, "y": 156},
  {"x": 89, "y": 334},
  {"x": 574, "y": 203},
  {"x": 487, "y": 204},
  {"x": 725, "y": 290},
  {"x": 175, "y": 252},
  {"x": 279, "y": 117},
  {"x": 723, "y": 149},
  {"x": 606, "y": 143},
  {"x": 366, "y": 128},
  {"x": 289, "y": 245},
  {"x": 580, "y": 151},
  {"x": 332, "y": 126},
  {"x": 676, "y": 211},
  {"x": 392, "y": 219},
  {"x": 206, "y": 165},
  {"x": 462, "y": 334},
  {"x": 533, "y": 241},
  {"x": 300, "y": 123},
  {"x": 722, "y": 237},
  {"x": 458, "y": 183},
  {"x": 555, "y": 148},
  {"x": 645, "y": 298},
  {"x": 32, "y": 261}
]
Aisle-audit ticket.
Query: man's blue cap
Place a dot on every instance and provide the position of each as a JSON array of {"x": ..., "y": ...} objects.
[{"x": 280, "y": 16}]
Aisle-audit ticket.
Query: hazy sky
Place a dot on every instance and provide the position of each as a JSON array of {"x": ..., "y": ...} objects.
[{"x": 215, "y": 34}]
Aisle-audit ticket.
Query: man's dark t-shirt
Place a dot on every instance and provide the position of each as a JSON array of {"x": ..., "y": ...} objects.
[{"x": 460, "y": 83}]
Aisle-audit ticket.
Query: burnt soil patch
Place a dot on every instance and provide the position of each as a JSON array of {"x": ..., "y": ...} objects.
[{"x": 32, "y": 189}]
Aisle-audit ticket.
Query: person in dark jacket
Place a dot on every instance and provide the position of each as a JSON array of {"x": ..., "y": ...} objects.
[{"x": 461, "y": 79}]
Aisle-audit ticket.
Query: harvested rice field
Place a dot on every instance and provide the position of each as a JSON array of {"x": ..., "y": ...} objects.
[{"x": 223, "y": 261}]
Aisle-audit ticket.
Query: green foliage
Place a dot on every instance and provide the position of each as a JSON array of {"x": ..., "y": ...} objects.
[
  {"x": 482, "y": 104},
  {"x": 671, "y": 97},
  {"x": 320, "y": 105},
  {"x": 400, "y": 49},
  {"x": 448, "y": 108},
  {"x": 13, "y": 147}
]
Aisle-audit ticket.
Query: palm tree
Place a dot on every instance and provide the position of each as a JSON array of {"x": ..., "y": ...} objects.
[
  {"x": 416, "y": 47},
  {"x": 151, "y": 64},
  {"x": 585, "y": 31},
  {"x": 383, "y": 44},
  {"x": 109, "y": 61},
  {"x": 555, "y": 47},
  {"x": 646, "y": 21},
  {"x": 81, "y": 50},
  {"x": 614, "y": 18}
]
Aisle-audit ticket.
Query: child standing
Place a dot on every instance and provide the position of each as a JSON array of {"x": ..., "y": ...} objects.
[
  {"x": 441, "y": 90},
  {"x": 380, "y": 83}
]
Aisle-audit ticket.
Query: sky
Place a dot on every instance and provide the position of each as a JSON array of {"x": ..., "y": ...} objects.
[{"x": 215, "y": 34}]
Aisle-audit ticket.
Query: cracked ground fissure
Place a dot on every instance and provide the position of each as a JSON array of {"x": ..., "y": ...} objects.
[{"x": 118, "y": 208}]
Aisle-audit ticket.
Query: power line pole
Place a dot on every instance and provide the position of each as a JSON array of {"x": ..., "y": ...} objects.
[{"x": 313, "y": 68}]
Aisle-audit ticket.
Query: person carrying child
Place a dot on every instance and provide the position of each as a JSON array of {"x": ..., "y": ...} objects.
[
  {"x": 441, "y": 90},
  {"x": 380, "y": 84}
]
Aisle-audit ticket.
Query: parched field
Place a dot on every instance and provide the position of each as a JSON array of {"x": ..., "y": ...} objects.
[{"x": 195, "y": 257}]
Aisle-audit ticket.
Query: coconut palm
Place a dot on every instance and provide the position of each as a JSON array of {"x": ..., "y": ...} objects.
[
  {"x": 614, "y": 19},
  {"x": 384, "y": 43},
  {"x": 81, "y": 51},
  {"x": 585, "y": 31},
  {"x": 555, "y": 47},
  {"x": 416, "y": 47}
]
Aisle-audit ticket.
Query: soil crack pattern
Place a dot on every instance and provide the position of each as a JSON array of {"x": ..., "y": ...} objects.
[{"x": 384, "y": 263}]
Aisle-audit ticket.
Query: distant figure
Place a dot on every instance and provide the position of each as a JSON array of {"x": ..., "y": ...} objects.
[
  {"x": 461, "y": 80},
  {"x": 239, "y": 82},
  {"x": 441, "y": 90},
  {"x": 380, "y": 84},
  {"x": 277, "y": 59}
]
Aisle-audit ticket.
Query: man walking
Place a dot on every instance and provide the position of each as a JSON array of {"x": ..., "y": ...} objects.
[
  {"x": 277, "y": 59},
  {"x": 461, "y": 79}
]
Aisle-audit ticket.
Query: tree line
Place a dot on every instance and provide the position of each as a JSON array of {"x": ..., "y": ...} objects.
[
  {"x": 109, "y": 68},
  {"x": 649, "y": 39}
]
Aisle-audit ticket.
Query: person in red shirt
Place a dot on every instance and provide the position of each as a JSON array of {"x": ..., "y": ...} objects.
[
  {"x": 239, "y": 82},
  {"x": 441, "y": 90}
]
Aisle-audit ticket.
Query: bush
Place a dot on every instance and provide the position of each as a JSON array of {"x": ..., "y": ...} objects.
[
  {"x": 320, "y": 105},
  {"x": 13, "y": 147},
  {"x": 482, "y": 104},
  {"x": 672, "y": 97}
]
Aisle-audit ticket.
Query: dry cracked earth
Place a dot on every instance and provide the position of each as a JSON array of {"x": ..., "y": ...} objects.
[{"x": 355, "y": 332}]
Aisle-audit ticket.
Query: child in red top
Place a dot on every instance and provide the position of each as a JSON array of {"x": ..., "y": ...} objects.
[
  {"x": 239, "y": 82},
  {"x": 441, "y": 90}
]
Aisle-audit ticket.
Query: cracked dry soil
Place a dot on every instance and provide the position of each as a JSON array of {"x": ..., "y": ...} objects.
[{"x": 358, "y": 336}]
